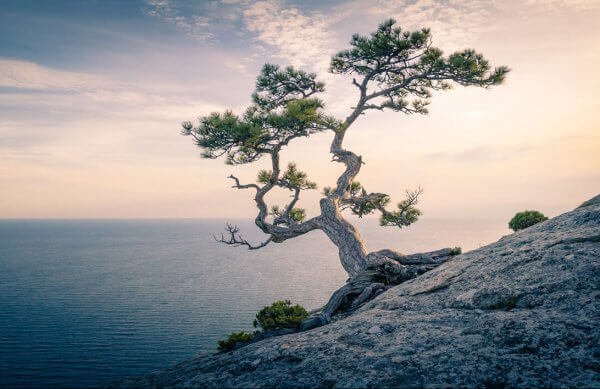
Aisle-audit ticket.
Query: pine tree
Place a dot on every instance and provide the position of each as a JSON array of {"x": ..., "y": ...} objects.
[{"x": 392, "y": 69}]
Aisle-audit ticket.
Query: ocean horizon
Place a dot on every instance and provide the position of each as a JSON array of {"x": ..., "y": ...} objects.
[{"x": 85, "y": 302}]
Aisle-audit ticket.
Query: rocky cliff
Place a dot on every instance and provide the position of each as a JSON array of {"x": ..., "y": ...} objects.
[{"x": 523, "y": 311}]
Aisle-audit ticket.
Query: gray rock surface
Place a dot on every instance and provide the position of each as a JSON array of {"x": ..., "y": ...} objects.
[
  {"x": 593, "y": 201},
  {"x": 523, "y": 312}
]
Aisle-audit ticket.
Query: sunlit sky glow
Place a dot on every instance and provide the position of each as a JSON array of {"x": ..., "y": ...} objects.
[{"x": 92, "y": 94}]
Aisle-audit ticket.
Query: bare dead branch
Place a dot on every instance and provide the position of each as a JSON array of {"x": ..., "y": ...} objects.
[
  {"x": 235, "y": 239},
  {"x": 239, "y": 186},
  {"x": 412, "y": 198}
]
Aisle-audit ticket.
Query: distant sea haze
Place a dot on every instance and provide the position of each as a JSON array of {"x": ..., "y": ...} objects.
[{"x": 87, "y": 302}]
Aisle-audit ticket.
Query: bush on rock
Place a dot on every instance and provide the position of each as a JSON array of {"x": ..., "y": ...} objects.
[
  {"x": 281, "y": 314},
  {"x": 234, "y": 338},
  {"x": 526, "y": 219}
]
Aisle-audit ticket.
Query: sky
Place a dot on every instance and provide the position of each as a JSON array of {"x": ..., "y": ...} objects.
[{"x": 92, "y": 94}]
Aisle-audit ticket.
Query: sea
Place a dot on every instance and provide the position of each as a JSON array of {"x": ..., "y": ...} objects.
[{"x": 84, "y": 303}]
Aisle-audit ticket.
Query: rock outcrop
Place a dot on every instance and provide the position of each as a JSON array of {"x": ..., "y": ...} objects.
[
  {"x": 387, "y": 269},
  {"x": 521, "y": 312}
]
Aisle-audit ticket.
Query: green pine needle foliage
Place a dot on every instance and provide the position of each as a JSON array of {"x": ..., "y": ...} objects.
[
  {"x": 264, "y": 176},
  {"x": 235, "y": 338},
  {"x": 400, "y": 218},
  {"x": 284, "y": 107},
  {"x": 383, "y": 56},
  {"x": 296, "y": 178},
  {"x": 298, "y": 214},
  {"x": 327, "y": 191},
  {"x": 393, "y": 69},
  {"x": 280, "y": 314}
]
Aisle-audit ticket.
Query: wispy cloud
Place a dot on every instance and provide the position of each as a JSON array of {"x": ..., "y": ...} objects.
[
  {"x": 28, "y": 75},
  {"x": 69, "y": 87},
  {"x": 482, "y": 154},
  {"x": 301, "y": 39},
  {"x": 44, "y": 109},
  {"x": 106, "y": 115},
  {"x": 308, "y": 39},
  {"x": 566, "y": 4},
  {"x": 452, "y": 22},
  {"x": 195, "y": 26}
]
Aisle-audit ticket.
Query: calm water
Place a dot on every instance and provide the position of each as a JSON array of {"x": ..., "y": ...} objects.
[{"x": 83, "y": 303}]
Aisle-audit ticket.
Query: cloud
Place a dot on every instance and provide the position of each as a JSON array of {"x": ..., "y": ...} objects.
[
  {"x": 304, "y": 38},
  {"x": 301, "y": 39},
  {"x": 481, "y": 154},
  {"x": 580, "y": 5},
  {"x": 28, "y": 75},
  {"x": 453, "y": 23},
  {"x": 44, "y": 109},
  {"x": 195, "y": 26},
  {"x": 308, "y": 39},
  {"x": 32, "y": 80},
  {"x": 159, "y": 8}
]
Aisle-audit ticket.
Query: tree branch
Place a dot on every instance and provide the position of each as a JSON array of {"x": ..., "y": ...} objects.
[
  {"x": 290, "y": 206},
  {"x": 236, "y": 240},
  {"x": 245, "y": 186},
  {"x": 406, "y": 213},
  {"x": 279, "y": 233}
]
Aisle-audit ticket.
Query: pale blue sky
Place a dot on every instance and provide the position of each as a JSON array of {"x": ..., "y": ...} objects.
[{"x": 92, "y": 94}]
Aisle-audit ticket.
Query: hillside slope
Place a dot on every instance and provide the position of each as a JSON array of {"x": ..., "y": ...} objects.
[{"x": 523, "y": 311}]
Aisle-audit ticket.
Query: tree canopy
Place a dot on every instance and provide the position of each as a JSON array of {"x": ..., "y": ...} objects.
[{"x": 392, "y": 69}]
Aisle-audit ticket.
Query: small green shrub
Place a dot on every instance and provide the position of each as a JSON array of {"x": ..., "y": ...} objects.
[
  {"x": 281, "y": 314},
  {"x": 234, "y": 338},
  {"x": 526, "y": 219}
]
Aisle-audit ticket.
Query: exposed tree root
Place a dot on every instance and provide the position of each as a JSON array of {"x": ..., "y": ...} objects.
[{"x": 386, "y": 269}]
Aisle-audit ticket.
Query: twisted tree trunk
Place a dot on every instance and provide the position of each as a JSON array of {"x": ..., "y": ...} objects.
[
  {"x": 352, "y": 250},
  {"x": 370, "y": 273}
]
